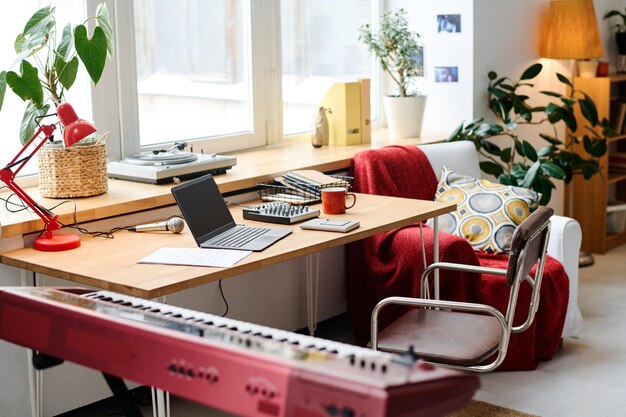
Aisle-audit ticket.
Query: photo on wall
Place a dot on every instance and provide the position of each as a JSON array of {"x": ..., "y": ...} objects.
[
  {"x": 450, "y": 23},
  {"x": 418, "y": 58},
  {"x": 446, "y": 74}
]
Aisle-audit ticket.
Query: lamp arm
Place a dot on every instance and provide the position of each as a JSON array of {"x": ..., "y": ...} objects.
[{"x": 8, "y": 174}]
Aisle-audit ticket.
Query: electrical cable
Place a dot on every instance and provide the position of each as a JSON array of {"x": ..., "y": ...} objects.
[{"x": 219, "y": 285}]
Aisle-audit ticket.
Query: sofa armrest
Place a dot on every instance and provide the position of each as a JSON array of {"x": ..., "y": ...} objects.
[{"x": 564, "y": 246}]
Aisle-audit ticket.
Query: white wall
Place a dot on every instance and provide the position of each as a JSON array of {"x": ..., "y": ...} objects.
[{"x": 448, "y": 103}]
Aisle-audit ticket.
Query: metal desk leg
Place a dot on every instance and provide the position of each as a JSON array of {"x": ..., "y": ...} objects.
[
  {"x": 35, "y": 376},
  {"x": 312, "y": 281},
  {"x": 160, "y": 398},
  {"x": 436, "y": 255}
]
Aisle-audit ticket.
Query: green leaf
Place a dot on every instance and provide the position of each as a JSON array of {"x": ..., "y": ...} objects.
[
  {"x": 519, "y": 148},
  {"x": 553, "y": 170},
  {"x": 519, "y": 172},
  {"x": 589, "y": 169},
  {"x": 19, "y": 43},
  {"x": 531, "y": 174},
  {"x": 564, "y": 80},
  {"x": 505, "y": 155},
  {"x": 550, "y": 139},
  {"x": 65, "y": 46},
  {"x": 529, "y": 151},
  {"x": 588, "y": 109},
  {"x": 551, "y": 94},
  {"x": 102, "y": 16},
  {"x": 491, "y": 168},
  {"x": 507, "y": 179},
  {"x": 569, "y": 119},
  {"x": 531, "y": 72},
  {"x": 492, "y": 75},
  {"x": 497, "y": 92},
  {"x": 491, "y": 147},
  {"x": 39, "y": 19},
  {"x": 3, "y": 86},
  {"x": 544, "y": 186},
  {"x": 28, "y": 126},
  {"x": 66, "y": 71},
  {"x": 545, "y": 151},
  {"x": 92, "y": 52},
  {"x": 456, "y": 134},
  {"x": 28, "y": 86}
]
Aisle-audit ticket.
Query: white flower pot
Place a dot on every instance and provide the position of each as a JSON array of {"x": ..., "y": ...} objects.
[{"x": 404, "y": 116}]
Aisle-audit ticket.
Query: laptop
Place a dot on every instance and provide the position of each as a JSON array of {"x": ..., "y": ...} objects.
[{"x": 211, "y": 223}]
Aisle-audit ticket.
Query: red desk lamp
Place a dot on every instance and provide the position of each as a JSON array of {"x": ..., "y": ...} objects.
[{"x": 75, "y": 129}]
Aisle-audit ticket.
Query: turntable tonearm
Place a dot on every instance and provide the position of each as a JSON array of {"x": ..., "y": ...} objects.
[{"x": 163, "y": 166}]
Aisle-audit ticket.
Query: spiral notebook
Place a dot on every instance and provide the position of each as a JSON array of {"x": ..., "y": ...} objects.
[{"x": 316, "y": 178}]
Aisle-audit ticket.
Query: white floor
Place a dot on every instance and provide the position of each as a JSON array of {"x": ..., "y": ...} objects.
[{"x": 587, "y": 377}]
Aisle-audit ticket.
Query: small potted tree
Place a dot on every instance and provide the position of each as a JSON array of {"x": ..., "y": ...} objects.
[
  {"x": 399, "y": 53},
  {"x": 48, "y": 62}
]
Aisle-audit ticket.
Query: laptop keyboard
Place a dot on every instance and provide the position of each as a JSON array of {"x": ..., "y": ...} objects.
[{"x": 237, "y": 237}]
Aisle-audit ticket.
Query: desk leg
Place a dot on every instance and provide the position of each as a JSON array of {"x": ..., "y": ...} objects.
[
  {"x": 160, "y": 398},
  {"x": 436, "y": 254},
  {"x": 35, "y": 376},
  {"x": 312, "y": 281}
]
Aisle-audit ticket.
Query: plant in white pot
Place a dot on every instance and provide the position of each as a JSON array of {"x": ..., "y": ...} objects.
[{"x": 399, "y": 52}]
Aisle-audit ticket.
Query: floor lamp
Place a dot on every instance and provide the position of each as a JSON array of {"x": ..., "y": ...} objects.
[
  {"x": 570, "y": 31},
  {"x": 74, "y": 129}
]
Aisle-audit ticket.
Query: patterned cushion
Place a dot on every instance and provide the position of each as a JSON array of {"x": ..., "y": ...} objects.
[{"x": 487, "y": 213}]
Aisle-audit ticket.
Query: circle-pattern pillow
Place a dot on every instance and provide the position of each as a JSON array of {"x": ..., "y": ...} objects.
[{"x": 487, "y": 213}]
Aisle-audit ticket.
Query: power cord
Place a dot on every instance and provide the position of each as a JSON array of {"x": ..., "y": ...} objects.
[
  {"x": 19, "y": 206},
  {"x": 219, "y": 285}
]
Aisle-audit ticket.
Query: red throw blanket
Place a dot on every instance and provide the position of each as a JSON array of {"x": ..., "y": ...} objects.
[{"x": 390, "y": 264}]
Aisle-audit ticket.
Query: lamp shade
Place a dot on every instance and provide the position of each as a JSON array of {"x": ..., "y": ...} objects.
[
  {"x": 75, "y": 129},
  {"x": 571, "y": 31}
]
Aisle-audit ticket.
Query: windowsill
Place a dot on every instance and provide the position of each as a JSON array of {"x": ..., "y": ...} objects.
[{"x": 253, "y": 166}]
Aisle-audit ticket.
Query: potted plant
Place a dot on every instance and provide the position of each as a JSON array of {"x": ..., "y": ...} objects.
[
  {"x": 399, "y": 53},
  {"x": 48, "y": 64},
  {"x": 514, "y": 160},
  {"x": 620, "y": 27}
]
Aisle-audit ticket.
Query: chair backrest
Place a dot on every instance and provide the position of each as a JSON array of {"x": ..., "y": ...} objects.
[{"x": 529, "y": 239}]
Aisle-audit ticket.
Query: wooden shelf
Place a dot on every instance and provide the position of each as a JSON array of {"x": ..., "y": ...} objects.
[
  {"x": 616, "y": 176},
  {"x": 616, "y": 78},
  {"x": 615, "y": 240},
  {"x": 616, "y": 138}
]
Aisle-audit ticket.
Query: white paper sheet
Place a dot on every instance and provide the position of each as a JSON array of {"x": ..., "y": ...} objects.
[{"x": 221, "y": 258}]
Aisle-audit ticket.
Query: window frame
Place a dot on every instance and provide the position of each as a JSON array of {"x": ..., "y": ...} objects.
[{"x": 115, "y": 98}]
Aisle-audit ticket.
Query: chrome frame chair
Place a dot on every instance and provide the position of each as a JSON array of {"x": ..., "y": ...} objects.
[{"x": 473, "y": 337}]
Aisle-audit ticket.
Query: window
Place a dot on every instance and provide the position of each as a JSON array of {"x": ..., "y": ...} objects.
[
  {"x": 319, "y": 46},
  {"x": 193, "y": 69}
]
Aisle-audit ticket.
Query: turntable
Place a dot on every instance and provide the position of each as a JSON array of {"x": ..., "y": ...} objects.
[{"x": 163, "y": 166}]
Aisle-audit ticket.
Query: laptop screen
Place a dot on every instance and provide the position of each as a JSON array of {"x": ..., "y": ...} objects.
[{"x": 203, "y": 207}]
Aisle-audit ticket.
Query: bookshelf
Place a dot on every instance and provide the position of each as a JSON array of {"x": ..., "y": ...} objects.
[{"x": 587, "y": 200}]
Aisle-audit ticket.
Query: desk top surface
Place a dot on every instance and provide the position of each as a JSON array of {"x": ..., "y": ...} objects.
[{"x": 112, "y": 263}]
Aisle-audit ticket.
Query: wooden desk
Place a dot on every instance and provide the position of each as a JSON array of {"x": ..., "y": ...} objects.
[{"x": 112, "y": 263}]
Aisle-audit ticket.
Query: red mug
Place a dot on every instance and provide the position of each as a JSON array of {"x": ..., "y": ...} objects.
[{"x": 334, "y": 200}]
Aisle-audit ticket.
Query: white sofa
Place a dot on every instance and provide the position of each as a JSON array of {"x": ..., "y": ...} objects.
[{"x": 565, "y": 235}]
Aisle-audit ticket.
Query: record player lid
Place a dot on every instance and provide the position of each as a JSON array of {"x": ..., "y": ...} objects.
[{"x": 161, "y": 158}]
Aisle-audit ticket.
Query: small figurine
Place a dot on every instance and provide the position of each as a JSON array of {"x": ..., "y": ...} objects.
[{"x": 320, "y": 123}]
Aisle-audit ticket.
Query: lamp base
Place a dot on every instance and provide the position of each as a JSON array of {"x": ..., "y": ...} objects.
[
  {"x": 585, "y": 259},
  {"x": 56, "y": 243}
]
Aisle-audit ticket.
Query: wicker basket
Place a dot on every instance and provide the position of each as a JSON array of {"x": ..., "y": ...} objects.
[{"x": 78, "y": 171}]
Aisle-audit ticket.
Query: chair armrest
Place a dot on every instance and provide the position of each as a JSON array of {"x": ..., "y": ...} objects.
[
  {"x": 564, "y": 244},
  {"x": 454, "y": 267}
]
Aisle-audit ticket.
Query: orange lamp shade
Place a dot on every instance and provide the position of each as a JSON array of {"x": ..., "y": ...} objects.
[
  {"x": 75, "y": 129},
  {"x": 571, "y": 31}
]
